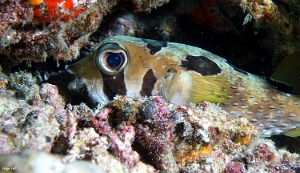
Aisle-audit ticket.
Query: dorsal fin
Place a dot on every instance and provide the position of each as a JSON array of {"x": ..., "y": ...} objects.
[{"x": 288, "y": 72}]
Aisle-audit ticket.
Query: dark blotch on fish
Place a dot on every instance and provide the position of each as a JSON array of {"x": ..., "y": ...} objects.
[
  {"x": 114, "y": 85},
  {"x": 154, "y": 46},
  {"x": 149, "y": 81},
  {"x": 201, "y": 64}
]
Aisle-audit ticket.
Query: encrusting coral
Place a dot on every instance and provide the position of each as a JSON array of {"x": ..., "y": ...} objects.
[
  {"x": 136, "y": 134},
  {"x": 25, "y": 83}
]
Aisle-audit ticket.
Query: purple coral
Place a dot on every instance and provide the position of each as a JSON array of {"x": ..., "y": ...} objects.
[
  {"x": 155, "y": 135},
  {"x": 121, "y": 137},
  {"x": 102, "y": 125},
  {"x": 233, "y": 167}
]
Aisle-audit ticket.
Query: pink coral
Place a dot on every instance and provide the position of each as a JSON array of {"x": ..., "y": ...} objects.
[
  {"x": 49, "y": 93},
  {"x": 233, "y": 167},
  {"x": 155, "y": 135},
  {"x": 102, "y": 125},
  {"x": 265, "y": 153},
  {"x": 122, "y": 139}
]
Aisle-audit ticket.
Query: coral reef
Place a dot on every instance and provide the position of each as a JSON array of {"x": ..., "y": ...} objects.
[
  {"x": 39, "y": 29},
  {"x": 144, "y": 5},
  {"x": 25, "y": 83},
  {"x": 3, "y": 81},
  {"x": 137, "y": 134},
  {"x": 50, "y": 28},
  {"x": 29, "y": 123},
  {"x": 132, "y": 135},
  {"x": 279, "y": 20}
]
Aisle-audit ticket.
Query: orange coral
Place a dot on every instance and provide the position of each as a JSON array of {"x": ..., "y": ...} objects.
[
  {"x": 35, "y": 2},
  {"x": 205, "y": 150},
  {"x": 190, "y": 155},
  {"x": 2, "y": 85},
  {"x": 54, "y": 10}
]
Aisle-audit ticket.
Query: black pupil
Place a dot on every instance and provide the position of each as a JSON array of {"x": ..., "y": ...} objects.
[{"x": 114, "y": 60}]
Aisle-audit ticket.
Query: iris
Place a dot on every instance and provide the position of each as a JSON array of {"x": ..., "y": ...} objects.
[{"x": 114, "y": 60}]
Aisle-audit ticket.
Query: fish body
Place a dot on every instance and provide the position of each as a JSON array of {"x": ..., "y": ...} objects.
[{"x": 181, "y": 74}]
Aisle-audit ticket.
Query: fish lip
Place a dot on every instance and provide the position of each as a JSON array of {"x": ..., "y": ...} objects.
[
  {"x": 67, "y": 69},
  {"x": 95, "y": 94}
]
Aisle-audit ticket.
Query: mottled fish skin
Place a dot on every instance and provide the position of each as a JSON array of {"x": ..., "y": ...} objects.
[{"x": 151, "y": 63}]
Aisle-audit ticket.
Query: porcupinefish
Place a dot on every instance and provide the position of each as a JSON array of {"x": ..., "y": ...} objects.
[{"x": 181, "y": 74}]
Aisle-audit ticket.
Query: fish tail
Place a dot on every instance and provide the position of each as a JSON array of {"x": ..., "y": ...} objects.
[{"x": 287, "y": 73}]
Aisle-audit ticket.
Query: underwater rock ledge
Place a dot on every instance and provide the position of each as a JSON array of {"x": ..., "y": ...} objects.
[
  {"x": 131, "y": 135},
  {"x": 39, "y": 29}
]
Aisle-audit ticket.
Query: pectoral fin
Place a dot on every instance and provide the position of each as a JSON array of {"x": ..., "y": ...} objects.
[
  {"x": 185, "y": 87},
  {"x": 212, "y": 88}
]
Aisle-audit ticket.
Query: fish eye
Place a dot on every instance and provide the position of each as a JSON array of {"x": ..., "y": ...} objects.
[
  {"x": 111, "y": 59},
  {"x": 114, "y": 60}
]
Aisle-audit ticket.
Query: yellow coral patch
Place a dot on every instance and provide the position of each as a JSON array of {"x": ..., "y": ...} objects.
[
  {"x": 205, "y": 150},
  {"x": 243, "y": 140}
]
